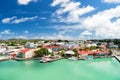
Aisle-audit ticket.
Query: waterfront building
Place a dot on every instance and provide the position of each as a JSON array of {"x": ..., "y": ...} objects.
[{"x": 26, "y": 53}]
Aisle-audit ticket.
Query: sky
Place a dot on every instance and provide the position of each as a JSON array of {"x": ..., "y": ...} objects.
[{"x": 60, "y": 19}]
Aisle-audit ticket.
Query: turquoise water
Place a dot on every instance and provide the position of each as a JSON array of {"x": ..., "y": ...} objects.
[{"x": 97, "y": 69}]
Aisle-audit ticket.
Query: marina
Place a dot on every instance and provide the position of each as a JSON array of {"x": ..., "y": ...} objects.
[{"x": 59, "y": 40}]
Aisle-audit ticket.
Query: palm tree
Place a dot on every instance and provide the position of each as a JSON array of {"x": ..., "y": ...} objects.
[
  {"x": 76, "y": 52},
  {"x": 41, "y": 52}
]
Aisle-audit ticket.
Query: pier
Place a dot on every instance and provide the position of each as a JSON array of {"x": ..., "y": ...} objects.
[
  {"x": 3, "y": 60},
  {"x": 117, "y": 57}
]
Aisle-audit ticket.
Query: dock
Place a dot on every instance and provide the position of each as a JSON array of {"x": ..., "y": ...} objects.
[
  {"x": 3, "y": 60},
  {"x": 117, "y": 57}
]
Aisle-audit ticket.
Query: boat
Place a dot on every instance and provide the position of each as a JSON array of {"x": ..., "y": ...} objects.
[
  {"x": 73, "y": 58},
  {"x": 44, "y": 60},
  {"x": 48, "y": 59},
  {"x": 89, "y": 58}
]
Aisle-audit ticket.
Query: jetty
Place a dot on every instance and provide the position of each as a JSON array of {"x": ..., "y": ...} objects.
[
  {"x": 3, "y": 60},
  {"x": 117, "y": 57}
]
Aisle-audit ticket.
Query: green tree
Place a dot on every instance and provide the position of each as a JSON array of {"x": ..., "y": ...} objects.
[
  {"x": 76, "y": 52},
  {"x": 61, "y": 53},
  {"x": 66, "y": 41},
  {"x": 52, "y": 54},
  {"x": 46, "y": 41},
  {"x": 110, "y": 52},
  {"x": 42, "y": 52},
  {"x": 12, "y": 44},
  {"x": 60, "y": 40},
  {"x": 92, "y": 47}
]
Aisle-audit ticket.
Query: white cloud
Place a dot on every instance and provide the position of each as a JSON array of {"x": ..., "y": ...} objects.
[
  {"x": 15, "y": 20},
  {"x": 111, "y": 1},
  {"x": 56, "y": 36},
  {"x": 104, "y": 24},
  {"x": 6, "y": 32},
  {"x": 8, "y": 20},
  {"x": 86, "y": 33},
  {"x": 26, "y": 32},
  {"x": 25, "y": 2},
  {"x": 44, "y": 36},
  {"x": 72, "y": 9},
  {"x": 57, "y": 2},
  {"x": 22, "y": 37},
  {"x": 74, "y": 16}
]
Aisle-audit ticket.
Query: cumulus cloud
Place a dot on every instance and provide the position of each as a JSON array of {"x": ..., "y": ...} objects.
[
  {"x": 7, "y": 31},
  {"x": 15, "y": 20},
  {"x": 111, "y": 1},
  {"x": 56, "y": 36},
  {"x": 25, "y": 2},
  {"x": 86, "y": 33},
  {"x": 57, "y": 2},
  {"x": 104, "y": 24},
  {"x": 70, "y": 8},
  {"x": 26, "y": 32}
]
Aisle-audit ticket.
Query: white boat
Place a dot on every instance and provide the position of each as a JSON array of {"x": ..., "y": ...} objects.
[
  {"x": 72, "y": 58},
  {"x": 44, "y": 60},
  {"x": 89, "y": 58}
]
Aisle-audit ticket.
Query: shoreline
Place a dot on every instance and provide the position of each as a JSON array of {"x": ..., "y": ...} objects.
[{"x": 39, "y": 58}]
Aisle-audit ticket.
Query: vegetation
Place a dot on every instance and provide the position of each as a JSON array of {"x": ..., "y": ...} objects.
[
  {"x": 61, "y": 53},
  {"x": 59, "y": 40},
  {"x": 18, "y": 41},
  {"x": 12, "y": 44},
  {"x": 41, "y": 52},
  {"x": 92, "y": 47},
  {"x": 110, "y": 52},
  {"x": 52, "y": 54},
  {"x": 46, "y": 41},
  {"x": 66, "y": 41},
  {"x": 76, "y": 52}
]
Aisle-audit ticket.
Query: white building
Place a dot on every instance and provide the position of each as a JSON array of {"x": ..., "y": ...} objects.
[
  {"x": 93, "y": 44},
  {"x": 29, "y": 54},
  {"x": 30, "y": 45},
  {"x": 2, "y": 50}
]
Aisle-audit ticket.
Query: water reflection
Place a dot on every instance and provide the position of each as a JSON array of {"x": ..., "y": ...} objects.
[{"x": 27, "y": 63}]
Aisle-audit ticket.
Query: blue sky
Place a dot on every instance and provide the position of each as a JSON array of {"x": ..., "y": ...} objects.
[{"x": 59, "y": 19}]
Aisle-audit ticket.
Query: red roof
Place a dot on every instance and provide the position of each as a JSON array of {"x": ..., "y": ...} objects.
[
  {"x": 24, "y": 50},
  {"x": 85, "y": 52},
  {"x": 91, "y": 52},
  {"x": 13, "y": 55}
]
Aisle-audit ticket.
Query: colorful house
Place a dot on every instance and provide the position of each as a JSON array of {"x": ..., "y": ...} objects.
[
  {"x": 94, "y": 52},
  {"x": 26, "y": 53},
  {"x": 53, "y": 48}
]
